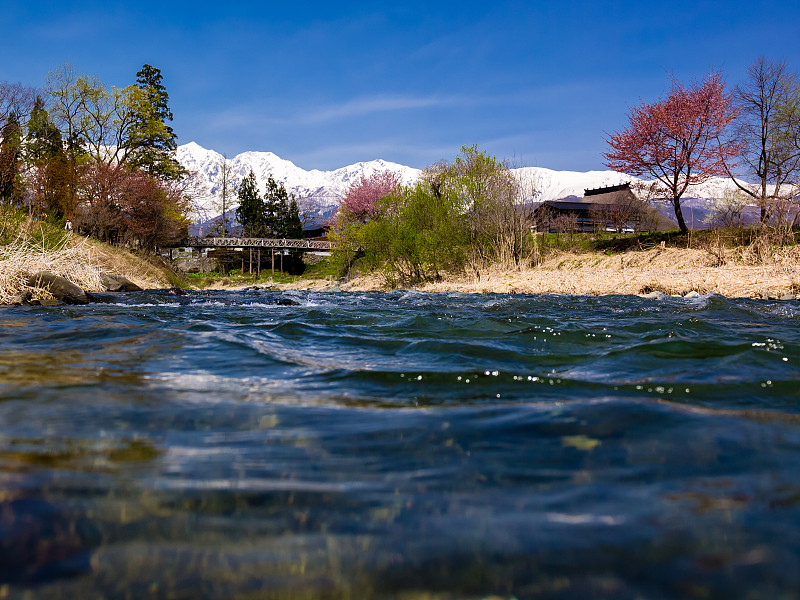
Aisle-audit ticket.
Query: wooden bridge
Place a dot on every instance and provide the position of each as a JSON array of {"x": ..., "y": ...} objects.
[
  {"x": 275, "y": 244},
  {"x": 272, "y": 244}
]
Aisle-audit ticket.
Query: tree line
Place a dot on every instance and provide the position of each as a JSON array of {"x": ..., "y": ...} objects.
[
  {"x": 750, "y": 133},
  {"x": 100, "y": 157},
  {"x": 276, "y": 214},
  {"x": 463, "y": 214}
]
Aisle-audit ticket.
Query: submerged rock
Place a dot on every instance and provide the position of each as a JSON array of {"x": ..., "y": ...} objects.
[
  {"x": 652, "y": 295},
  {"x": 286, "y": 302},
  {"x": 61, "y": 288},
  {"x": 118, "y": 283},
  {"x": 102, "y": 298}
]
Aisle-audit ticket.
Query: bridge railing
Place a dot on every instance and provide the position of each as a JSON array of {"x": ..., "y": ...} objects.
[{"x": 282, "y": 243}]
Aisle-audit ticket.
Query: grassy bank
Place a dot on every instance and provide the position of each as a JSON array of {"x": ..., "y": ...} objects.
[
  {"x": 734, "y": 263},
  {"x": 671, "y": 271},
  {"x": 322, "y": 272},
  {"x": 28, "y": 246}
]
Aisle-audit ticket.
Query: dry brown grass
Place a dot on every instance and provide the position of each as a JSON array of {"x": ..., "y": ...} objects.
[
  {"x": 668, "y": 270},
  {"x": 72, "y": 257}
]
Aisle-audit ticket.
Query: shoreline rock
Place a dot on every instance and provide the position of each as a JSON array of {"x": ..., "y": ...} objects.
[
  {"x": 66, "y": 292},
  {"x": 118, "y": 283},
  {"x": 60, "y": 288}
]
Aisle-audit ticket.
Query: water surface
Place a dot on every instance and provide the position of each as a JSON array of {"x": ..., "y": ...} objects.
[{"x": 400, "y": 445}]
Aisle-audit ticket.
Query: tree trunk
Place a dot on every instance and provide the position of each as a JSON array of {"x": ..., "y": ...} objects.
[{"x": 676, "y": 203}]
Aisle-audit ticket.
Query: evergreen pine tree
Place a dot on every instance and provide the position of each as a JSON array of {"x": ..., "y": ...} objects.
[
  {"x": 44, "y": 138},
  {"x": 10, "y": 155},
  {"x": 275, "y": 202},
  {"x": 293, "y": 225},
  {"x": 250, "y": 212},
  {"x": 44, "y": 151},
  {"x": 152, "y": 141}
]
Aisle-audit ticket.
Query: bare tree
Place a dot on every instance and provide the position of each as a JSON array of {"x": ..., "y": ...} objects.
[
  {"x": 16, "y": 99},
  {"x": 91, "y": 116},
  {"x": 227, "y": 191},
  {"x": 623, "y": 211},
  {"x": 768, "y": 127},
  {"x": 565, "y": 223},
  {"x": 728, "y": 210}
]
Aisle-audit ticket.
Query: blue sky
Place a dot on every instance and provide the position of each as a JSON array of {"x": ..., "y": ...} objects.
[{"x": 327, "y": 84}]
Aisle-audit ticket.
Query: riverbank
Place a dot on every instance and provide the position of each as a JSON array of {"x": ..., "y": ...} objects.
[
  {"x": 732, "y": 272},
  {"x": 81, "y": 261},
  {"x": 735, "y": 273}
]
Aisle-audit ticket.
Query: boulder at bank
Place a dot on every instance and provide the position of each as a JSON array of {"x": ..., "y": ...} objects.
[
  {"x": 62, "y": 289},
  {"x": 118, "y": 283}
]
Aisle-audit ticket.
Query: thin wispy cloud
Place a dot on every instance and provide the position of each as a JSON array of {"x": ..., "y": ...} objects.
[
  {"x": 360, "y": 107},
  {"x": 403, "y": 151}
]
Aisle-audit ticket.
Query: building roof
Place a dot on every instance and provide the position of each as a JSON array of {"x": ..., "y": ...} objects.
[
  {"x": 619, "y": 195},
  {"x": 607, "y": 189}
]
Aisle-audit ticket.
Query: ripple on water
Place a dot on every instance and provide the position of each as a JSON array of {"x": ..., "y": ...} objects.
[{"x": 400, "y": 445}]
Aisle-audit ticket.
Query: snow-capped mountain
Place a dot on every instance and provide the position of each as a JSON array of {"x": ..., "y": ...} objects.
[
  {"x": 320, "y": 191},
  {"x": 540, "y": 184},
  {"x": 315, "y": 190}
]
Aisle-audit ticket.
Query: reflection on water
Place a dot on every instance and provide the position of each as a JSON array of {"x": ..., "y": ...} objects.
[{"x": 400, "y": 445}]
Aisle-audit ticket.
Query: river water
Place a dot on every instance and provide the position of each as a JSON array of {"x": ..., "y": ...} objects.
[{"x": 405, "y": 445}]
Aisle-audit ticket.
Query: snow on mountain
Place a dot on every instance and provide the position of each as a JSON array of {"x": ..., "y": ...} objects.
[
  {"x": 540, "y": 184},
  {"x": 320, "y": 191},
  {"x": 316, "y": 191}
]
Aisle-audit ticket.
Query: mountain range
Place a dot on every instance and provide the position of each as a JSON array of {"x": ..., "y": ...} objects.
[{"x": 319, "y": 192}]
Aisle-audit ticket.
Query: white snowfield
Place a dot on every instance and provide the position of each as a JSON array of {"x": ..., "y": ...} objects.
[{"x": 321, "y": 190}]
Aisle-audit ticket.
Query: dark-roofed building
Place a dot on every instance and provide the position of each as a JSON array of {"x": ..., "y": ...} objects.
[
  {"x": 611, "y": 208},
  {"x": 610, "y": 194}
]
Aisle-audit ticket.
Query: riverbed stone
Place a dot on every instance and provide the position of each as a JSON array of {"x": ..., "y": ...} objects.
[
  {"x": 102, "y": 298},
  {"x": 692, "y": 294},
  {"x": 118, "y": 283},
  {"x": 652, "y": 295},
  {"x": 772, "y": 295},
  {"x": 286, "y": 302},
  {"x": 61, "y": 288}
]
